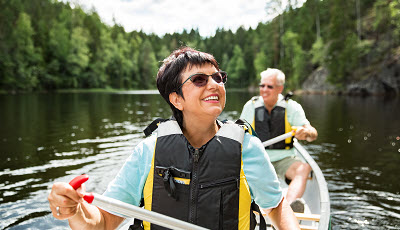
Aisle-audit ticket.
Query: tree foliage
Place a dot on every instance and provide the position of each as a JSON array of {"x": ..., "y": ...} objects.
[{"x": 56, "y": 46}]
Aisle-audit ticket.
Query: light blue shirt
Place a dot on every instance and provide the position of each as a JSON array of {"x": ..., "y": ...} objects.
[
  {"x": 295, "y": 116},
  {"x": 264, "y": 186}
]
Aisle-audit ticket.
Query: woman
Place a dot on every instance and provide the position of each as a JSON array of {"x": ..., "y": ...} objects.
[{"x": 193, "y": 167}]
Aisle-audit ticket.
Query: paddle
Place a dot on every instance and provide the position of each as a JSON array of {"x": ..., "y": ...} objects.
[
  {"x": 279, "y": 138},
  {"x": 126, "y": 209}
]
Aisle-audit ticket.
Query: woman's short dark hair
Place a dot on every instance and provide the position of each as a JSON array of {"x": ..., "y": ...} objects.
[{"x": 170, "y": 73}]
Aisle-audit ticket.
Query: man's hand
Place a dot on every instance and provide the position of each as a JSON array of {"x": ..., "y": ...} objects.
[{"x": 305, "y": 132}]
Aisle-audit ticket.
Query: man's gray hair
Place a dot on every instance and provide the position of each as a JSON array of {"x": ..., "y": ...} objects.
[{"x": 280, "y": 76}]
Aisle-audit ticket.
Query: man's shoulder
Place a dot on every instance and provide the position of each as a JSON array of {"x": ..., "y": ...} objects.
[
  {"x": 292, "y": 104},
  {"x": 254, "y": 99},
  {"x": 249, "y": 105}
]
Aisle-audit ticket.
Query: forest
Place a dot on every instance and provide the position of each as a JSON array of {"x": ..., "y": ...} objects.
[{"x": 48, "y": 45}]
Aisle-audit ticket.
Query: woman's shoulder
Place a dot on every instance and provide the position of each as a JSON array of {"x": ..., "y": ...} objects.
[
  {"x": 252, "y": 143},
  {"x": 147, "y": 144}
]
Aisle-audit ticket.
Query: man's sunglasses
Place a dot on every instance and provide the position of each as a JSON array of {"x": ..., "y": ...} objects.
[
  {"x": 201, "y": 79},
  {"x": 268, "y": 86}
]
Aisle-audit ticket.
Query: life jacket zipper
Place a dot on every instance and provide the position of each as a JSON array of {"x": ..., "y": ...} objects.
[{"x": 193, "y": 192}]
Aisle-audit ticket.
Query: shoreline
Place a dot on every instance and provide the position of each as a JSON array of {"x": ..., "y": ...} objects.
[{"x": 155, "y": 91}]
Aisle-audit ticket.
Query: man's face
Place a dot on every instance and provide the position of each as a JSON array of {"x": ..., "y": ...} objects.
[{"x": 269, "y": 90}]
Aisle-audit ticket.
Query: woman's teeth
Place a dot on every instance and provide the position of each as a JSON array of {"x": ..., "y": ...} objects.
[{"x": 211, "y": 98}]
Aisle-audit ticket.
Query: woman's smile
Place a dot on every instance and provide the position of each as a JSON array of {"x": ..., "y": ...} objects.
[{"x": 212, "y": 99}]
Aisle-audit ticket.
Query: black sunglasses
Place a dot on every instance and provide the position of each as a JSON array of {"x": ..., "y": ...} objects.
[
  {"x": 268, "y": 86},
  {"x": 201, "y": 79}
]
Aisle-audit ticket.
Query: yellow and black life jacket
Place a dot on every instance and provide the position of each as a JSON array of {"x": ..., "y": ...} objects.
[
  {"x": 268, "y": 126},
  {"x": 204, "y": 186}
]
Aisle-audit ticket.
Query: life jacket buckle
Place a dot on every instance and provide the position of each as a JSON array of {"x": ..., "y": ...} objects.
[{"x": 169, "y": 184}]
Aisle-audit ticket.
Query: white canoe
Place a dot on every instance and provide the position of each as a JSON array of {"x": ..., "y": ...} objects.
[{"x": 316, "y": 196}]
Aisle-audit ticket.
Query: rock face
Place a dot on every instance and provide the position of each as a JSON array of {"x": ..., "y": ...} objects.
[
  {"x": 384, "y": 81},
  {"x": 316, "y": 83}
]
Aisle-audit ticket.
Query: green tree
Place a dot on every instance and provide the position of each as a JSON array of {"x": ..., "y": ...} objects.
[
  {"x": 394, "y": 7},
  {"x": 237, "y": 69},
  {"x": 120, "y": 66},
  {"x": 24, "y": 55},
  {"x": 58, "y": 51},
  {"x": 147, "y": 66},
  {"x": 261, "y": 63},
  {"x": 225, "y": 62},
  {"x": 382, "y": 16},
  {"x": 342, "y": 56},
  {"x": 97, "y": 76},
  {"x": 318, "y": 52},
  {"x": 162, "y": 54},
  {"x": 77, "y": 58},
  {"x": 295, "y": 58}
]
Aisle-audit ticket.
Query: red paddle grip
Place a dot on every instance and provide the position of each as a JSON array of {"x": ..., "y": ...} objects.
[
  {"x": 78, "y": 181},
  {"x": 89, "y": 197}
]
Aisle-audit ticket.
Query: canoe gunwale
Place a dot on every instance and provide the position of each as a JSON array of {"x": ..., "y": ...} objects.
[{"x": 324, "y": 222}]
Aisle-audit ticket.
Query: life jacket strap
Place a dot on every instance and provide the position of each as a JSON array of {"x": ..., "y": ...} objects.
[
  {"x": 288, "y": 96},
  {"x": 168, "y": 174},
  {"x": 153, "y": 126},
  {"x": 256, "y": 208},
  {"x": 248, "y": 127},
  {"x": 169, "y": 184},
  {"x": 137, "y": 223}
]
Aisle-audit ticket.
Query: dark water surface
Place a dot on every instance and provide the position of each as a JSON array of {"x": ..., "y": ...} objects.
[{"x": 54, "y": 137}]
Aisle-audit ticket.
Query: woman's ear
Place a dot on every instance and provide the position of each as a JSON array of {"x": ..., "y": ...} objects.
[{"x": 176, "y": 99}]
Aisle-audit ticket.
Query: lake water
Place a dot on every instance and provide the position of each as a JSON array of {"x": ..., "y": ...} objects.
[{"x": 56, "y": 136}]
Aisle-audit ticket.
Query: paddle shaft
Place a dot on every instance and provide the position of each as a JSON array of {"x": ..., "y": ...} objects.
[
  {"x": 129, "y": 210},
  {"x": 278, "y": 138},
  {"x": 125, "y": 209}
]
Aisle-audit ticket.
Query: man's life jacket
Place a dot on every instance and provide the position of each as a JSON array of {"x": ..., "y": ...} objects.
[
  {"x": 204, "y": 186},
  {"x": 268, "y": 126}
]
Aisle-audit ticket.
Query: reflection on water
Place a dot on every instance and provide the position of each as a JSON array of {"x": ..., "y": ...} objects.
[{"x": 54, "y": 137}]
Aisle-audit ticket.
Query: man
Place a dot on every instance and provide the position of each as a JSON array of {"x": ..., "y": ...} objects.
[{"x": 271, "y": 114}]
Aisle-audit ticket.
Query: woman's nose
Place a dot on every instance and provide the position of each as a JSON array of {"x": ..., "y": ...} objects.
[{"x": 212, "y": 83}]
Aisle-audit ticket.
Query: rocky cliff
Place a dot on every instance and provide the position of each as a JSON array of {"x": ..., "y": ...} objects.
[{"x": 384, "y": 80}]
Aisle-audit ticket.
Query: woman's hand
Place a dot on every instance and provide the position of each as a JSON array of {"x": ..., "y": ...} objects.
[{"x": 64, "y": 200}]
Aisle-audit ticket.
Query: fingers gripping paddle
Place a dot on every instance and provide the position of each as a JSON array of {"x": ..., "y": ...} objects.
[
  {"x": 77, "y": 182},
  {"x": 129, "y": 210}
]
